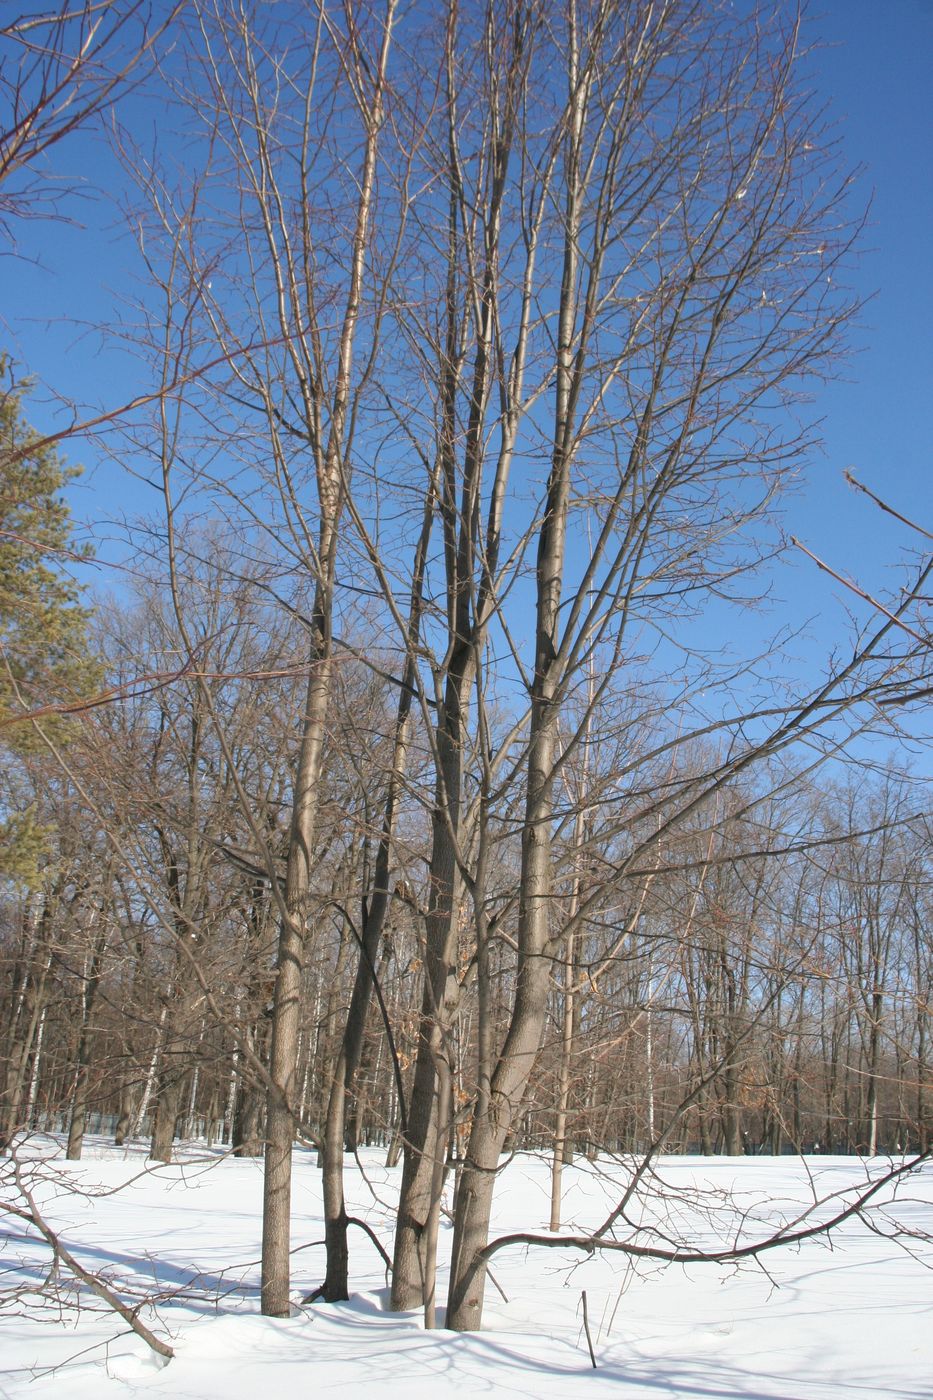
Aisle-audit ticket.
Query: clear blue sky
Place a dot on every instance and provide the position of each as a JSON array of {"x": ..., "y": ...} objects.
[
  {"x": 876, "y": 71},
  {"x": 873, "y": 69}
]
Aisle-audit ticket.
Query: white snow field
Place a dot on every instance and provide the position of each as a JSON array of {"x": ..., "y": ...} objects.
[{"x": 854, "y": 1318}]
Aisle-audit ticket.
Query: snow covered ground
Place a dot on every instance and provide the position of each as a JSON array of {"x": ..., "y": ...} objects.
[{"x": 854, "y": 1319}]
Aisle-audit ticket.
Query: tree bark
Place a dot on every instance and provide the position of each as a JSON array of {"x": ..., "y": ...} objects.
[{"x": 79, "y": 1099}]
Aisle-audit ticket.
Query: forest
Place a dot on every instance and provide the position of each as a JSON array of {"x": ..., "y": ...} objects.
[{"x": 430, "y": 770}]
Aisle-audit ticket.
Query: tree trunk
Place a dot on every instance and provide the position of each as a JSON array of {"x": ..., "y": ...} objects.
[
  {"x": 281, "y": 1104},
  {"x": 440, "y": 999},
  {"x": 478, "y": 1173},
  {"x": 79, "y": 1100},
  {"x": 28, "y": 1015},
  {"x": 245, "y": 1126},
  {"x": 166, "y": 1114},
  {"x": 283, "y": 1059},
  {"x": 336, "y": 1283}
]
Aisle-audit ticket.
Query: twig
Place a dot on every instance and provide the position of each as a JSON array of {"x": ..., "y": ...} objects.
[
  {"x": 586, "y": 1328},
  {"x": 860, "y": 592},
  {"x": 496, "y": 1284},
  {"x": 883, "y": 505}
]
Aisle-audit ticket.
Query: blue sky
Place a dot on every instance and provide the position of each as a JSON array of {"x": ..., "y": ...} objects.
[
  {"x": 871, "y": 68},
  {"x": 874, "y": 69}
]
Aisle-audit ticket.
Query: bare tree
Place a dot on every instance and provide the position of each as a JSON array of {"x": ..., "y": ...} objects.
[
  {"x": 302, "y": 384},
  {"x": 660, "y": 290}
]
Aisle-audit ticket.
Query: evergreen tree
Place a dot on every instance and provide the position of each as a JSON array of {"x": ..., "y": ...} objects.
[
  {"x": 45, "y": 660},
  {"x": 43, "y": 625}
]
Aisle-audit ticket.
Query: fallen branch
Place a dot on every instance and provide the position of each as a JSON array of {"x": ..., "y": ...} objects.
[
  {"x": 595, "y": 1242},
  {"x": 61, "y": 1254}
]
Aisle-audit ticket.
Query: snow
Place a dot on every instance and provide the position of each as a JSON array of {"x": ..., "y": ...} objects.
[{"x": 846, "y": 1318}]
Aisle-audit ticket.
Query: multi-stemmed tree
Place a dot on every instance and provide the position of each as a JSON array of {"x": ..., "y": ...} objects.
[{"x": 481, "y": 333}]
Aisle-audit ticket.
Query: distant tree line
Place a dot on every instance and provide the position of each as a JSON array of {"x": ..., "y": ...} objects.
[{"x": 774, "y": 964}]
